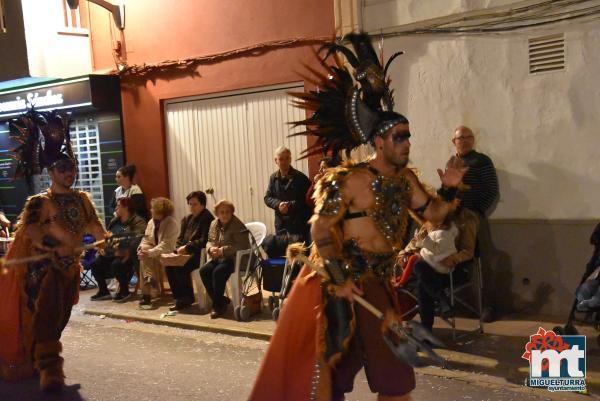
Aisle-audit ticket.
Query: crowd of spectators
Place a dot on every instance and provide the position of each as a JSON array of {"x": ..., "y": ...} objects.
[
  {"x": 437, "y": 248},
  {"x": 158, "y": 243}
]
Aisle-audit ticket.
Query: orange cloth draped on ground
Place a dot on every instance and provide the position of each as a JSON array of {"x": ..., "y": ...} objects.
[
  {"x": 14, "y": 364},
  {"x": 287, "y": 369}
]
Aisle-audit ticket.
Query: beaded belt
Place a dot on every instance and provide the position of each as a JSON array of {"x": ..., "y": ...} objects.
[{"x": 361, "y": 261}]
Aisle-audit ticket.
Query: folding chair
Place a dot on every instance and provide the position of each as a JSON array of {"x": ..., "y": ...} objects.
[
  {"x": 476, "y": 283},
  {"x": 87, "y": 279}
]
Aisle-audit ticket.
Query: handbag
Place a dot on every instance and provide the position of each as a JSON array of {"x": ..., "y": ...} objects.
[{"x": 253, "y": 303}]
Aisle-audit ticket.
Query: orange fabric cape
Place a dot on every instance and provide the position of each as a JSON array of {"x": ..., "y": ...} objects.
[
  {"x": 15, "y": 318},
  {"x": 287, "y": 369},
  {"x": 14, "y": 364}
]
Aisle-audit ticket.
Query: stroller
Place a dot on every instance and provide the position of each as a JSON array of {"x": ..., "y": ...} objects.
[
  {"x": 590, "y": 316},
  {"x": 290, "y": 272},
  {"x": 277, "y": 273}
]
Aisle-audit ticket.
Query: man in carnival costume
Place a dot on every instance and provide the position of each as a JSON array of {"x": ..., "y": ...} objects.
[
  {"x": 39, "y": 281},
  {"x": 323, "y": 339}
]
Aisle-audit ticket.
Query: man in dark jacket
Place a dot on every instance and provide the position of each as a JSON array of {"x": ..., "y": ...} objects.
[
  {"x": 286, "y": 195},
  {"x": 192, "y": 239},
  {"x": 482, "y": 193}
]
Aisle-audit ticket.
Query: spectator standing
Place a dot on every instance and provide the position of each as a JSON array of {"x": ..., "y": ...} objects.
[
  {"x": 120, "y": 262},
  {"x": 480, "y": 196},
  {"x": 126, "y": 188},
  {"x": 226, "y": 236},
  {"x": 286, "y": 195},
  {"x": 324, "y": 164},
  {"x": 481, "y": 178},
  {"x": 193, "y": 237},
  {"x": 160, "y": 238}
]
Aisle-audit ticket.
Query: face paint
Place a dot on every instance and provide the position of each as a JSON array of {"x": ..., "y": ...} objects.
[{"x": 399, "y": 137}]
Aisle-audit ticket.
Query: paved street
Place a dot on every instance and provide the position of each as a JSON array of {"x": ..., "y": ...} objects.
[{"x": 109, "y": 359}]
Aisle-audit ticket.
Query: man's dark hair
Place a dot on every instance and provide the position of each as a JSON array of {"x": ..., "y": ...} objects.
[
  {"x": 128, "y": 171},
  {"x": 63, "y": 160},
  {"x": 201, "y": 196},
  {"x": 127, "y": 203}
]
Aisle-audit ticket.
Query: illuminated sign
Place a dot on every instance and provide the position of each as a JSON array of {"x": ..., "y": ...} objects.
[
  {"x": 33, "y": 99},
  {"x": 99, "y": 92}
]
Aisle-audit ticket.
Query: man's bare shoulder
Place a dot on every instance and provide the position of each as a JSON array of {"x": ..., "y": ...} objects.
[{"x": 359, "y": 177}]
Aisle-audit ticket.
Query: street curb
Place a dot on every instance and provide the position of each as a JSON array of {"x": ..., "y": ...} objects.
[{"x": 182, "y": 325}]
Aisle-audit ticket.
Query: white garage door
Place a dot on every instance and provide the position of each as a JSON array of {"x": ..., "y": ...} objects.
[{"x": 226, "y": 143}]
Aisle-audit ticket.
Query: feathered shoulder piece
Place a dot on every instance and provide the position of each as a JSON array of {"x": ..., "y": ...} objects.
[
  {"x": 353, "y": 100},
  {"x": 43, "y": 139},
  {"x": 328, "y": 196}
]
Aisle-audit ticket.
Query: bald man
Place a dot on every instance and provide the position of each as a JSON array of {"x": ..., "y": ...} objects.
[
  {"x": 481, "y": 195},
  {"x": 481, "y": 177}
]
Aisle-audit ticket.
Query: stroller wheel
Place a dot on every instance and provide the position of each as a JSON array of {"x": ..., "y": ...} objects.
[
  {"x": 236, "y": 313},
  {"x": 273, "y": 303},
  {"x": 275, "y": 314},
  {"x": 244, "y": 313},
  {"x": 558, "y": 330}
]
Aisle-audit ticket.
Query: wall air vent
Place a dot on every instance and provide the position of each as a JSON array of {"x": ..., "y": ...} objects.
[{"x": 547, "y": 53}]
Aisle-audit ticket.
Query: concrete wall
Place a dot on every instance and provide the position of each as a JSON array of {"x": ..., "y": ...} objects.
[
  {"x": 157, "y": 31},
  {"x": 540, "y": 130},
  {"x": 13, "y": 51},
  {"x": 53, "y": 50}
]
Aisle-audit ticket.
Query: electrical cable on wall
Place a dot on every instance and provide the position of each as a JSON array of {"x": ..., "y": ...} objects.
[
  {"x": 495, "y": 21},
  {"x": 504, "y": 19}
]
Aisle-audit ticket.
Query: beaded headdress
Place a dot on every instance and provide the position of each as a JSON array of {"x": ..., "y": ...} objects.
[
  {"x": 44, "y": 140},
  {"x": 352, "y": 104}
]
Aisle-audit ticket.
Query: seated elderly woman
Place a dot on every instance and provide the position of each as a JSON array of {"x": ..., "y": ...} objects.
[
  {"x": 226, "y": 236},
  {"x": 432, "y": 275},
  {"x": 118, "y": 262},
  {"x": 160, "y": 238},
  {"x": 192, "y": 239}
]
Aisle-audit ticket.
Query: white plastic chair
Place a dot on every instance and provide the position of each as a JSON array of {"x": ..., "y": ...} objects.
[
  {"x": 201, "y": 295},
  {"x": 257, "y": 232}
]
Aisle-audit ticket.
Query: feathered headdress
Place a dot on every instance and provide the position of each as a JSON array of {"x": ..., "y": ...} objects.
[
  {"x": 44, "y": 139},
  {"x": 350, "y": 106}
]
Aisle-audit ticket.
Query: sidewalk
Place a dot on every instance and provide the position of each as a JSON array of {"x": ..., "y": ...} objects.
[{"x": 497, "y": 352}]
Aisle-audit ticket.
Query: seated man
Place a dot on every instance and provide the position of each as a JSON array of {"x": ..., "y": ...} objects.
[
  {"x": 431, "y": 282},
  {"x": 226, "y": 236},
  {"x": 192, "y": 239},
  {"x": 160, "y": 238},
  {"x": 119, "y": 262}
]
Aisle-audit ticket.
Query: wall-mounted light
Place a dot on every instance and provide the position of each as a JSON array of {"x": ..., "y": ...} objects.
[
  {"x": 118, "y": 11},
  {"x": 2, "y": 17}
]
